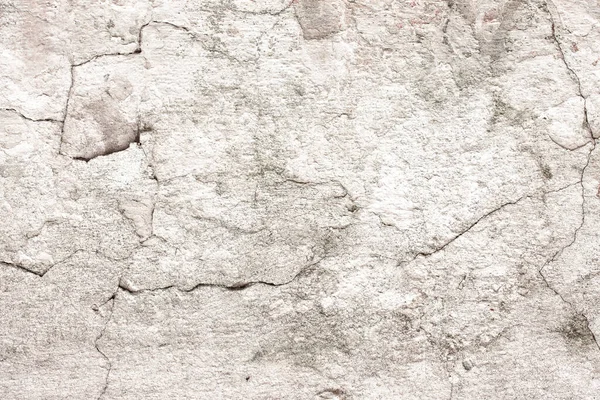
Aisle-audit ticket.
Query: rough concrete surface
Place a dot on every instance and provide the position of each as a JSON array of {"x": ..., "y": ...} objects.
[{"x": 299, "y": 199}]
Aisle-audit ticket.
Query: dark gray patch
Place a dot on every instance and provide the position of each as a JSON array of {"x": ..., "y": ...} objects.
[
  {"x": 546, "y": 172},
  {"x": 467, "y": 365},
  {"x": 320, "y": 18},
  {"x": 576, "y": 330},
  {"x": 338, "y": 394}
]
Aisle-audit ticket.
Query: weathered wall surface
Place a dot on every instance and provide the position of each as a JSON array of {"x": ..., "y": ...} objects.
[{"x": 275, "y": 199}]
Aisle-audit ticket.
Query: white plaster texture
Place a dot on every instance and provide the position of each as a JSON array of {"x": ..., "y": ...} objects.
[{"x": 299, "y": 199}]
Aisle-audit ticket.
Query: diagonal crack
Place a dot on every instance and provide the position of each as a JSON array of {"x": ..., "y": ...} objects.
[
  {"x": 22, "y": 268},
  {"x": 426, "y": 254},
  {"x": 20, "y": 114},
  {"x": 464, "y": 231},
  {"x": 37, "y": 273}
]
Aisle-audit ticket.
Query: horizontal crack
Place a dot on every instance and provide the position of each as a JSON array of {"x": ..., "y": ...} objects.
[
  {"x": 234, "y": 287},
  {"x": 271, "y": 13}
]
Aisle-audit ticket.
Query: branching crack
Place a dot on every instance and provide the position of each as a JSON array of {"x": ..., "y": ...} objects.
[
  {"x": 572, "y": 306},
  {"x": 484, "y": 216},
  {"x": 588, "y": 127},
  {"x": 138, "y": 50},
  {"x": 559, "y": 252}
]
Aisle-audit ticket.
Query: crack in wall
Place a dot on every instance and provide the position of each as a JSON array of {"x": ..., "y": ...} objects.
[
  {"x": 66, "y": 109},
  {"x": 568, "y": 148},
  {"x": 235, "y": 10},
  {"x": 22, "y": 268},
  {"x": 125, "y": 286},
  {"x": 572, "y": 306},
  {"x": 588, "y": 127},
  {"x": 20, "y": 114},
  {"x": 426, "y": 254},
  {"x": 558, "y": 253},
  {"x": 573, "y": 75},
  {"x": 582, "y": 222},
  {"x": 553, "y": 258},
  {"x": 138, "y": 50},
  {"x": 70, "y": 94},
  {"x": 271, "y": 13},
  {"x": 38, "y": 273},
  {"x": 111, "y": 300}
]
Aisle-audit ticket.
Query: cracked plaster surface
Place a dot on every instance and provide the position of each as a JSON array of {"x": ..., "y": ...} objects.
[{"x": 298, "y": 199}]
